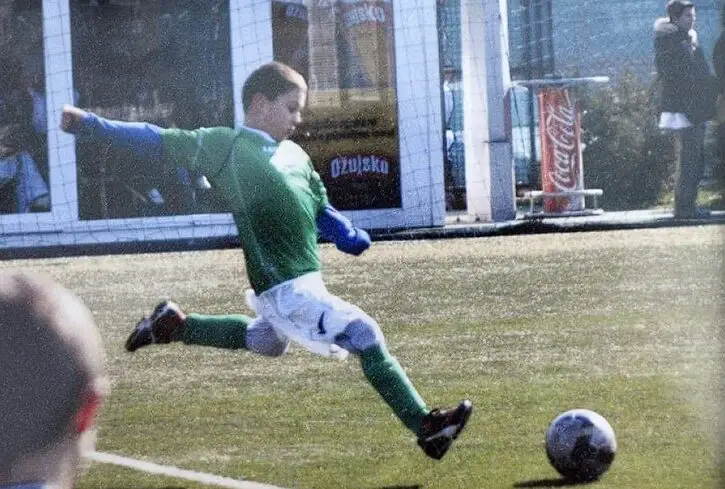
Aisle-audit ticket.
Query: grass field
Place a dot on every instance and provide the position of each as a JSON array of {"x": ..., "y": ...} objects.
[{"x": 626, "y": 323}]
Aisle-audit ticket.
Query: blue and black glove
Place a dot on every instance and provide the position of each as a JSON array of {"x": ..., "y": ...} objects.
[{"x": 337, "y": 228}]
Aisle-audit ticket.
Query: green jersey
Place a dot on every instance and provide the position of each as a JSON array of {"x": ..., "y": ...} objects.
[{"x": 271, "y": 189}]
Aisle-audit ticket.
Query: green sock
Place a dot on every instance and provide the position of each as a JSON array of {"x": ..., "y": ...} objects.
[
  {"x": 228, "y": 331},
  {"x": 388, "y": 378}
]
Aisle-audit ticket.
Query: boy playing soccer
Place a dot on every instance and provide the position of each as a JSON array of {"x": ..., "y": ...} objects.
[{"x": 279, "y": 204}]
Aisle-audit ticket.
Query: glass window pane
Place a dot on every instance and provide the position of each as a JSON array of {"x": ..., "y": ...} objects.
[
  {"x": 24, "y": 174},
  {"x": 346, "y": 50},
  {"x": 166, "y": 62}
]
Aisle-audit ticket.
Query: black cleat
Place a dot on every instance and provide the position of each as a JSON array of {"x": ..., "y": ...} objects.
[
  {"x": 166, "y": 324},
  {"x": 140, "y": 336},
  {"x": 441, "y": 427}
]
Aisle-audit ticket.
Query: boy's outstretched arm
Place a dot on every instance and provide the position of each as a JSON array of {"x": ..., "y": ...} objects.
[
  {"x": 71, "y": 119},
  {"x": 142, "y": 138},
  {"x": 337, "y": 228}
]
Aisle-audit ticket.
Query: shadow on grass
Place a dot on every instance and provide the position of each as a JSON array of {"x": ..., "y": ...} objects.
[
  {"x": 145, "y": 487},
  {"x": 184, "y": 487},
  {"x": 550, "y": 483}
]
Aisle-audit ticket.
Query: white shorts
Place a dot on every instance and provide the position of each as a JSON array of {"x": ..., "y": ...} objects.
[{"x": 305, "y": 312}]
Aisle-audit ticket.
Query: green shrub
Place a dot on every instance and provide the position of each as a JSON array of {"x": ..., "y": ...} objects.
[{"x": 625, "y": 153}]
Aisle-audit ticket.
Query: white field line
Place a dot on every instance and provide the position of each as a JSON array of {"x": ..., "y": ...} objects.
[{"x": 167, "y": 470}]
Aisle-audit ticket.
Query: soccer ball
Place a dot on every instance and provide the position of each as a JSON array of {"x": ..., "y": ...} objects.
[{"x": 580, "y": 445}]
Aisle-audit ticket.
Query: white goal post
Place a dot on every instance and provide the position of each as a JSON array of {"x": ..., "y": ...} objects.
[{"x": 418, "y": 105}]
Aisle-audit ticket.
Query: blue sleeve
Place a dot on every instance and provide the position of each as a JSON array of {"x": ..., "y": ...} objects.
[
  {"x": 337, "y": 228},
  {"x": 142, "y": 138}
]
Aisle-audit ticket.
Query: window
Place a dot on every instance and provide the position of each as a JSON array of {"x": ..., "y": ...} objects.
[
  {"x": 166, "y": 62},
  {"x": 24, "y": 174},
  {"x": 346, "y": 49}
]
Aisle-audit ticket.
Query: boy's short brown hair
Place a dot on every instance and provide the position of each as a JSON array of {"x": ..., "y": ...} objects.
[{"x": 271, "y": 80}]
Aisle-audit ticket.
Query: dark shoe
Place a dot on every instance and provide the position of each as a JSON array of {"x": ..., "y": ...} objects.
[
  {"x": 166, "y": 324},
  {"x": 699, "y": 213},
  {"x": 441, "y": 427}
]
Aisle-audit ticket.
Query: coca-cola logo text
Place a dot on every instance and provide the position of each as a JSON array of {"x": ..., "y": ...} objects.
[{"x": 560, "y": 126}]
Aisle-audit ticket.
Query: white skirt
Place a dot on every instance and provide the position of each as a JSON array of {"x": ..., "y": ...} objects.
[{"x": 305, "y": 312}]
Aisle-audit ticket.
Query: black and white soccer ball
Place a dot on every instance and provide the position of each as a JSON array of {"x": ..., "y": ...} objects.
[{"x": 580, "y": 445}]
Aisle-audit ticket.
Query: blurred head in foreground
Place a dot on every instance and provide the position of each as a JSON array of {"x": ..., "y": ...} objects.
[{"x": 51, "y": 381}]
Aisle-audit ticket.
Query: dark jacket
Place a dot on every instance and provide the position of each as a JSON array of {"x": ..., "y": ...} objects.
[
  {"x": 718, "y": 61},
  {"x": 684, "y": 76}
]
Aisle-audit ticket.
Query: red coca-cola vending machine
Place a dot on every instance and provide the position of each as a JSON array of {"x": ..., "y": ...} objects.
[
  {"x": 562, "y": 191},
  {"x": 561, "y": 150}
]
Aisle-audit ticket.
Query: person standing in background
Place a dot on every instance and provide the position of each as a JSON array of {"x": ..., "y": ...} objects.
[
  {"x": 718, "y": 61},
  {"x": 687, "y": 99},
  {"x": 20, "y": 144}
]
